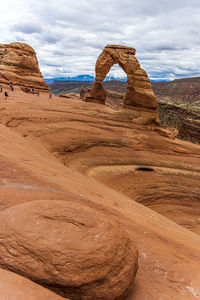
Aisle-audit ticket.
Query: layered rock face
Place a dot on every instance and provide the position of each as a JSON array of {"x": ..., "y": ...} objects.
[
  {"x": 184, "y": 90},
  {"x": 68, "y": 247},
  {"x": 186, "y": 121},
  {"x": 179, "y": 106},
  {"x": 19, "y": 65},
  {"x": 139, "y": 91},
  {"x": 190, "y": 129}
]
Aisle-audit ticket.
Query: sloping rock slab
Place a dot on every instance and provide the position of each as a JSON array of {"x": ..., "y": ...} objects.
[
  {"x": 15, "y": 287},
  {"x": 68, "y": 247}
]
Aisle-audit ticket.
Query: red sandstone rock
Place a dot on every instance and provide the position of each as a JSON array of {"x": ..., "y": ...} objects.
[
  {"x": 139, "y": 90},
  {"x": 84, "y": 92},
  {"x": 70, "y": 96},
  {"x": 68, "y": 246},
  {"x": 16, "y": 287},
  {"x": 45, "y": 145},
  {"x": 19, "y": 65}
]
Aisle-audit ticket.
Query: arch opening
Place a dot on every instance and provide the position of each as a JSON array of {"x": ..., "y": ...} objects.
[{"x": 115, "y": 85}]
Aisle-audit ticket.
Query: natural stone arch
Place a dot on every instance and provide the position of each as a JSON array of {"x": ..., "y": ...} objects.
[{"x": 139, "y": 91}]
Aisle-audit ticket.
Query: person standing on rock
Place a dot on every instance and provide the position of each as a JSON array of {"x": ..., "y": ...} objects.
[
  {"x": 6, "y": 95},
  {"x": 50, "y": 96},
  {"x": 11, "y": 87}
]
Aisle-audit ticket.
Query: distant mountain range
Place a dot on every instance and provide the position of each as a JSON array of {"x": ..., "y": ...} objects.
[
  {"x": 83, "y": 77},
  {"x": 86, "y": 78}
]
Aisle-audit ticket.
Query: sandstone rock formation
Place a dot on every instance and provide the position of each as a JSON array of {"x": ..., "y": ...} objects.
[
  {"x": 84, "y": 92},
  {"x": 99, "y": 143},
  {"x": 15, "y": 287},
  {"x": 139, "y": 91},
  {"x": 102, "y": 158},
  {"x": 70, "y": 96},
  {"x": 19, "y": 65},
  {"x": 70, "y": 247}
]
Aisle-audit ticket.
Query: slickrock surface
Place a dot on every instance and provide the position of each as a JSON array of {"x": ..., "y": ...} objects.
[
  {"x": 69, "y": 246},
  {"x": 16, "y": 287},
  {"x": 19, "y": 65},
  {"x": 139, "y": 91},
  {"x": 70, "y": 96},
  {"x": 108, "y": 144},
  {"x": 46, "y": 145}
]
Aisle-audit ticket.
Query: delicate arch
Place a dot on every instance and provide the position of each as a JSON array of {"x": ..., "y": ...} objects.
[{"x": 139, "y": 91}]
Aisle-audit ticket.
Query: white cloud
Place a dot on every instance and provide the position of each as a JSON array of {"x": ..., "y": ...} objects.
[{"x": 69, "y": 35}]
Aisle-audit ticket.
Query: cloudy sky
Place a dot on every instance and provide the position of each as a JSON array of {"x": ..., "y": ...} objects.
[{"x": 68, "y": 35}]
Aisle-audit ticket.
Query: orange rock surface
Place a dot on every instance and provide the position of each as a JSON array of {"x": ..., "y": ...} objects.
[
  {"x": 114, "y": 162},
  {"x": 19, "y": 66},
  {"x": 15, "y": 287},
  {"x": 70, "y": 246},
  {"x": 139, "y": 91},
  {"x": 70, "y": 96}
]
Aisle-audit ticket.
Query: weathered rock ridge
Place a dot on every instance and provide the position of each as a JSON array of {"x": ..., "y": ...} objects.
[
  {"x": 69, "y": 246},
  {"x": 19, "y": 65},
  {"x": 139, "y": 91}
]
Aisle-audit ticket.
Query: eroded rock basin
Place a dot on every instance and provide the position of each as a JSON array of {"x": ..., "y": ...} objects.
[{"x": 174, "y": 193}]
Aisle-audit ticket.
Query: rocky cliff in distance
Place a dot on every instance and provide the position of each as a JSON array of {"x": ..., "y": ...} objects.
[
  {"x": 179, "y": 91},
  {"x": 19, "y": 65},
  {"x": 179, "y": 106},
  {"x": 185, "y": 121}
]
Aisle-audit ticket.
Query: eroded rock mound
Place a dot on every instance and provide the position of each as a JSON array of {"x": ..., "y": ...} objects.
[
  {"x": 68, "y": 247},
  {"x": 15, "y": 287},
  {"x": 19, "y": 65},
  {"x": 74, "y": 96},
  {"x": 139, "y": 90}
]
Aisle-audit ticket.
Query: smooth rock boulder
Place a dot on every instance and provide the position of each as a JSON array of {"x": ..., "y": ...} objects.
[
  {"x": 75, "y": 250},
  {"x": 16, "y": 287}
]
